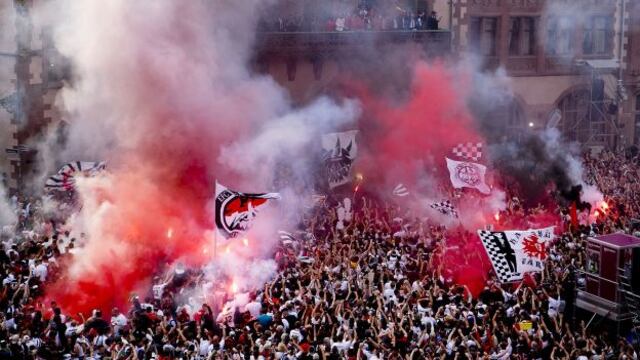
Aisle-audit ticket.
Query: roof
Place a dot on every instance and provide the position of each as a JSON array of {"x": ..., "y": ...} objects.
[{"x": 619, "y": 240}]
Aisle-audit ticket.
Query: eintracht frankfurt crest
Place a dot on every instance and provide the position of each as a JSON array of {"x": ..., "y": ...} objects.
[{"x": 468, "y": 174}]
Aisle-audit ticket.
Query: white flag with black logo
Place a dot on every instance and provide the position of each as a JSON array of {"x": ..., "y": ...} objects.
[
  {"x": 514, "y": 253},
  {"x": 339, "y": 153},
  {"x": 468, "y": 174}
]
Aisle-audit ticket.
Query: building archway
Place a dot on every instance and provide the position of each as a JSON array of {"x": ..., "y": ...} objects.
[{"x": 574, "y": 122}]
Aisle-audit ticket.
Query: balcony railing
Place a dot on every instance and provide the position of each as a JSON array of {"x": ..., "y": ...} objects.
[{"x": 324, "y": 43}]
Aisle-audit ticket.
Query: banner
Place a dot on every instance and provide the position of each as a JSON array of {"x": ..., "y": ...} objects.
[
  {"x": 514, "y": 253},
  {"x": 339, "y": 153},
  {"x": 467, "y": 174},
  {"x": 235, "y": 211},
  {"x": 64, "y": 179}
]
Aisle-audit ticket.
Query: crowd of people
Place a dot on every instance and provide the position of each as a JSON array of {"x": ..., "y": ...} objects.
[
  {"x": 381, "y": 286},
  {"x": 360, "y": 19}
]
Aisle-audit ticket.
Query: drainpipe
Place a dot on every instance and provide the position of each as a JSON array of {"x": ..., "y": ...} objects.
[{"x": 621, "y": 90}]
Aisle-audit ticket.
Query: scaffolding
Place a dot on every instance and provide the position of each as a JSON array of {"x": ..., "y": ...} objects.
[{"x": 600, "y": 126}]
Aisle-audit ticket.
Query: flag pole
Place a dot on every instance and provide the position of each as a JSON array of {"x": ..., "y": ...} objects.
[{"x": 215, "y": 243}]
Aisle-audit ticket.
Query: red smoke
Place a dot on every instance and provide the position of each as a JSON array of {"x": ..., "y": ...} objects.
[
  {"x": 427, "y": 124},
  {"x": 155, "y": 93}
]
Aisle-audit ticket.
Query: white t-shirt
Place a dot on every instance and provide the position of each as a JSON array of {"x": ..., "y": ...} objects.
[
  {"x": 118, "y": 322},
  {"x": 554, "y": 306},
  {"x": 40, "y": 271}
]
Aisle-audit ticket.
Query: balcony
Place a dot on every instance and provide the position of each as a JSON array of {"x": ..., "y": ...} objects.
[{"x": 340, "y": 43}]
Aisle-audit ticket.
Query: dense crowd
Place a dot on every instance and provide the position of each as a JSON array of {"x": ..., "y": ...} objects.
[
  {"x": 361, "y": 18},
  {"x": 378, "y": 286}
]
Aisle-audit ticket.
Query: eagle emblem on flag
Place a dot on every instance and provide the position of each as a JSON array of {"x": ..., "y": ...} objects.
[
  {"x": 235, "y": 211},
  {"x": 338, "y": 154}
]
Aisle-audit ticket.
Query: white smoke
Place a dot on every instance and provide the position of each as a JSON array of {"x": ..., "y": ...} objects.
[
  {"x": 161, "y": 84},
  {"x": 8, "y": 215}
]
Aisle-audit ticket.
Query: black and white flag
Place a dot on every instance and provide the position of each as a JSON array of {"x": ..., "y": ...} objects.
[
  {"x": 65, "y": 178},
  {"x": 286, "y": 238},
  {"x": 339, "y": 153},
  {"x": 514, "y": 253},
  {"x": 400, "y": 190},
  {"x": 235, "y": 211},
  {"x": 445, "y": 207}
]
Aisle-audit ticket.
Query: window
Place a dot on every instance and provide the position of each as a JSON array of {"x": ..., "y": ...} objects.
[
  {"x": 574, "y": 122},
  {"x": 484, "y": 31},
  {"x": 598, "y": 35},
  {"x": 522, "y": 36},
  {"x": 559, "y": 36},
  {"x": 636, "y": 133}
]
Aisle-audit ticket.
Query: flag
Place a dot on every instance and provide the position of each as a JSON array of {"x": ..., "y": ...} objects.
[
  {"x": 317, "y": 199},
  {"x": 515, "y": 253},
  {"x": 400, "y": 190},
  {"x": 286, "y": 238},
  {"x": 64, "y": 179},
  {"x": 445, "y": 207},
  {"x": 339, "y": 153},
  {"x": 468, "y": 174},
  {"x": 235, "y": 211},
  {"x": 468, "y": 151}
]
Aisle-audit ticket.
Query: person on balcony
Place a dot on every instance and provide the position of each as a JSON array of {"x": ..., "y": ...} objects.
[{"x": 433, "y": 21}]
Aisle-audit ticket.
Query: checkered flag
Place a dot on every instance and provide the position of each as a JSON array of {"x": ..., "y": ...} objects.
[
  {"x": 445, "y": 207},
  {"x": 491, "y": 241},
  {"x": 469, "y": 151}
]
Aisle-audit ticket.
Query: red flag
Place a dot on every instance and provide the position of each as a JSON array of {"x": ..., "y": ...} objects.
[{"x": 574, "y": 214}]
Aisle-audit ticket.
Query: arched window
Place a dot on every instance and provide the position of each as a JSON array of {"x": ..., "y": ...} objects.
[{"x": 574, "y": 108}]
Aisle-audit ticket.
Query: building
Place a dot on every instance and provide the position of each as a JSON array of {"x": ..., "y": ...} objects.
[
  {"x": 563, "y": 58},
  {"x": 573, "y": 64},
  {"x": 34, "y": 74},
  {"x": 631, "y": 75}
]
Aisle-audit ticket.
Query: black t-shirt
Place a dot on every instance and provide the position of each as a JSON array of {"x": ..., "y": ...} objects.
[{"x": 100, "y": 325}]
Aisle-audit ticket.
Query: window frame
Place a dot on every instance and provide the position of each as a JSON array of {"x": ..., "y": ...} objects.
[
  {"x": 479, "y": 26},
  {"x": 592, "y": 32},
  {"x": 523, "y": 42}
]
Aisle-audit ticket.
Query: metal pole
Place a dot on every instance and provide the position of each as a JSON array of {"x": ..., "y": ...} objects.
[
  {"x": 589, "y": 323},
  {"x": 451, "y": 20},
  {"x": 621, "y": 39},
  {"x": 620, "y": 89}
]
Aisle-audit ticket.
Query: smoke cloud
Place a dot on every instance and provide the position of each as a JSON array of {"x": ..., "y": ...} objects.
[
  {"x": 167, "y": 99},
  {"x": 162, "y": 91}
]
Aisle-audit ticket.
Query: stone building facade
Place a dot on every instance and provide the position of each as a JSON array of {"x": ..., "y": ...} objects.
[{"x": 572, "y": 64}]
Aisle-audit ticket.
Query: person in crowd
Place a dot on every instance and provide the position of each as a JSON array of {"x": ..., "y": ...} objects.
[{"x": 380, "y": 287}]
